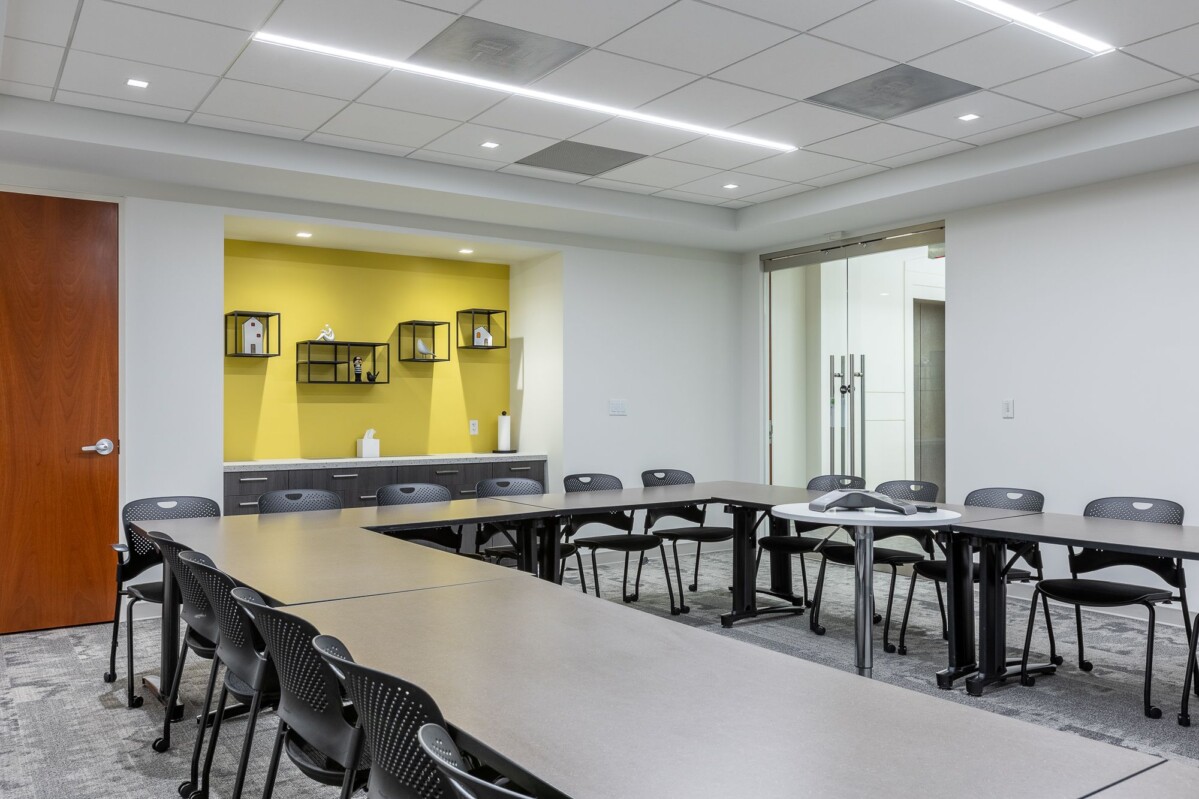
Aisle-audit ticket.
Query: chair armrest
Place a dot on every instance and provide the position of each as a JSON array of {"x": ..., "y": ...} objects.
[{"x": 120, "y": 547}]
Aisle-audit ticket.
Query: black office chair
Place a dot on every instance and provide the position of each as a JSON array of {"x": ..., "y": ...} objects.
[
  {"x": 415, "y": 493},
  {"x": 199, "y": 636},
  {"x": 844, "y": 554},
  {"x": 701, "y": 534},
  {"x": 135, "y": 556},
  {"x": 318, "y": 730},
  {"x": 798, "y": 544},
  {"x": 249, "y": 674},
  {"x": 440, "y": 747},
  {"x": 298, "y": 499},
  {"x": 509, "y": 487},
  {"x": 1107, "y": 594},
  {"x": 391, "y": 710},
  {"x": 625, "y": 542}
]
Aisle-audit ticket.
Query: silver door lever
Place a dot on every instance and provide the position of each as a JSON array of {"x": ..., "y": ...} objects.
[{"x": 101, "y": 447}]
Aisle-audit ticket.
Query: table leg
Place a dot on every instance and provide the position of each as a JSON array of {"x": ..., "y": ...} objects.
[
  {"x": 781, "y": 584},
  {"x": 863, "y": 621},
  {"x": 550, "y": 550},
  {"x": 159, "y": 686},
  {"x": 526, "y": 545},
  {"x": 960, "y": 591},
  {"x": 744, "y": 550}
]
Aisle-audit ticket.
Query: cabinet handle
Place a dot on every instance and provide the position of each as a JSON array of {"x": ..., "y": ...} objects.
[
  {"x": 520, "y": 468},
  {"x": 367, "y": 496},
  {"x": 446, "y": 471},
  {"x": 247, "y": 504},
  {"x": 343, "y": 476},
  {"x": 252, "y": 480},
  {"x": 466, "y": 490}
]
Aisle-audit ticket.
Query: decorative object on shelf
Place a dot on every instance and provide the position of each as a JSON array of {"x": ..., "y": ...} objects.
[
  {"x": 371, "y": 376},
  {"x": 482, "y": 329},
  {"x": 368, "y": 445},
  {"x": 424, "y": 341},
  {"x": 504, "y": 434},
  {"x": 326, "y": 334},
  {"x": 358, "y": 369},
  {"x": 252, "y": 334},
  {"x": 322, "y": 361}
]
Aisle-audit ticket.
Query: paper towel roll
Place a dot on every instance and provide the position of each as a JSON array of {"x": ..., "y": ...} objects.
[{"x": 504, "y": 442}]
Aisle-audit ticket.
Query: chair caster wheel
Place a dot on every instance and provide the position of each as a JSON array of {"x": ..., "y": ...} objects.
[
  {"x": 675, "y": 611},
  {"x": 136, "y": 701},
  {"x": 198, "y": 795},
  {"x": 685, "y": 609},
  {"x": 1153, "y": 713},
  {"x": 693, "y": 588},
  {"x": 1184, "y": 720},
  {"x": 877, "y": 618},
  {"x": 818, "y": 629},
  {"x": 1057, "y": 660},
  {"x": 110, "y": 676},
  {"x": 889, "y": 649},
  {"x": 162, "y": 745},
  {"x": 807, "y": 603},
  {"x": 185, "y": 789},
  {"x": 1028, "y": 681},
  {"x": 903, "y": 650},
  {"x": 628, "y": 599},
  {"x": 1086, "y": 665}
]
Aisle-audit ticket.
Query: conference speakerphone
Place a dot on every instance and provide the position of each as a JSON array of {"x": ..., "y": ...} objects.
[{"x": 859, "y": 499}]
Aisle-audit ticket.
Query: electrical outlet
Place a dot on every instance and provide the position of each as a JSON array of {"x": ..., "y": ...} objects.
[
  {"x": 474, "y": 427},
  {"x": 618, "y": 407}
]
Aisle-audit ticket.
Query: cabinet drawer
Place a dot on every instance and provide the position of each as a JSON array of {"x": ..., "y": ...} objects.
[
  {"x": 533, "y": 470},
  {"x": 460, "y": 478},
  {"x": 238, "y": 483},
  {"x": 353, "y": 480},
  {"x": 241, "y": 504}
]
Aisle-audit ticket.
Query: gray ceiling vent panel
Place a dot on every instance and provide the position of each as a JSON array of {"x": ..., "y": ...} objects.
[
  {"x": 582, "y": 159},
  {"x": 495, "y": 52},
  {"x": 894, "y": 91}
]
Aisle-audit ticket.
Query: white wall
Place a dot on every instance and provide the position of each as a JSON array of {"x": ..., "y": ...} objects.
[
  {"x": 1080, "y": 306},
  {"x": 535, "y": 339}
]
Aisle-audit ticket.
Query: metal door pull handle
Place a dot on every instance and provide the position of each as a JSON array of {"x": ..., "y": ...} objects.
[{"x": 101, "y": 447}]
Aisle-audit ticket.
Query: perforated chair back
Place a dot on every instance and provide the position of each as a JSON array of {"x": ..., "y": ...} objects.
[
  {"x": 195, "y": 610},
  {"x": 1007, "y": 499},
  {"x": 236, "y": 646},
  {"x": 508, "y": 487},
  {"x": 301, "y": 499},
  {"x": 1131, "y": 509},
  {"x": 309, "y": 696},
  {"x": 594, "y": 481},
  {"x": 412, "y": 494},
  {"x": 671, "y": 477},
  {"x": 439, "y": 746},
  {"x": 835, "y": 482},
  {"x": 1136, "y": 509},
  {"x": 391, "y": 711},
  {"x": 142, "y": 553},
  {"x": 910, "y": 490}
]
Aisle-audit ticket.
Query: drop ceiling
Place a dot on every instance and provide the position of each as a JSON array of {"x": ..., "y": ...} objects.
[{"x": 746, "y": 66}]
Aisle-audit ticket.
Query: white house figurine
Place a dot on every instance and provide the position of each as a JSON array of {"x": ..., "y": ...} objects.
[
  {"x": 251, "y": 337},
  {"x": 482, "y": 337}
]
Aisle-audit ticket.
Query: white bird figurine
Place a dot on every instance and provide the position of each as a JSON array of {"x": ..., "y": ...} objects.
[
  {"x": 326, "y": 334},
  {"x": 422, "y": 349}
]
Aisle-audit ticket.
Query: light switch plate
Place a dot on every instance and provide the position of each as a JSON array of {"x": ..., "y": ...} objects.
[
  {"x": 618, "y": 407},
  {"x": 474, "y": 427},
  {"x": 1008, "y": 406}
]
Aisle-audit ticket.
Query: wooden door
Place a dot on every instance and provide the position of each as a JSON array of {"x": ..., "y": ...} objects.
[{"x": 58, "y": 392}]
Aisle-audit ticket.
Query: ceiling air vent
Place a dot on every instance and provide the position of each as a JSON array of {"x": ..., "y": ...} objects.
[
  {"x": 582, "y": 159},
  {"x": 495, "y": 52},
  {"x": 898, "y": 90}
]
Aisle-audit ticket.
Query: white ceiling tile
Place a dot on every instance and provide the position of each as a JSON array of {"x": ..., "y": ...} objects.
[
  {"x": 468, "y": 140},
  {"x": 387, "y": 28},
  {"x": 1000, "y": 56},
  {"x": 46, "y": 21},
  {"x": 542, "y": 173},
  {"x": 926, "y": 154},
  {"x": 267, "y": 104},
  {"x": 994, "y": 111},
  {"x": 746, "y": 184},
  {"x": 1087, "y": 81},
  {"x": 847, "y": 175},
  {"x": 245, "y": 14},
  {"x": 357, "y": 144},
  {"x": 30, "y": 62},
  {"x": 687, "y": 196},
  {"x": 876, "y": 143},
  {"x": 714, "y": 104},
  {"x": 25, "y": 90},
  {"x": 799, "y": 166},
  {"x": 659, "y": 172},
  {"x": 442, "y": 98},
  {"x": 121, "y": 106},
  {"x": 453, "y": 6},
  {"x": 105, "y": 76},
  {"x": 299, "y": 71},
  {"x": 618, "y": 185},
  {"x": 612, "y": 79},
  {"x": 1020, "y": 128},
  {"x": 540, "y": 118},
  {"x": 801, "y": 16},
  {"x": 696, "y": 38},
  {"x": 246, "y": 126},
  {"x": 803, "y": 67},
  {"x": 905, "y": 29},
  {"x": 138, "y": 34},
  {"x": 718, "y": 153},
  {"x": 634, "y": 137},
  {"x": 1121, "y": 22},
  {"x": 778, "y": 194},
  {"x": 456, "y": 160},
  {"x": 734, "y": 204},
  {"x": 1178, "y": 51},
  {"x": 583, "y": 21},
  {"x": 358, "y": 121},
  {"x": 802, "y": 124},
  {"x": 1134, "y": 97}
]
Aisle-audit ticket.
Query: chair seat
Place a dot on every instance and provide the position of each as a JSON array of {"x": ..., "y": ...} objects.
[
  {"x": 199, "y": 644},
  {"x": 501, "y": 551},
  {"x": 316, "y": 765},
  {"x": 1101, "y": 593},
  {"x": 939, "y": 570},
  {"x": 146, "y": 592},
  {"x": 845, "y": 554},
  {"x": 704, "y": 535},
  {"x": 789, "y": 543},
  {"x": 620, "y": 542}
]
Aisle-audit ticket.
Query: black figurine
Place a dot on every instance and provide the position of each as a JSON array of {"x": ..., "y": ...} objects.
[{"x": 370, "y": 376}]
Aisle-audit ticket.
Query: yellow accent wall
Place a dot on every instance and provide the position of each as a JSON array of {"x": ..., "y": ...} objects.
[{"x": 426, "y": 407}]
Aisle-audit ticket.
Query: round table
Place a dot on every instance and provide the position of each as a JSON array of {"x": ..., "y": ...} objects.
[{"x": 862, "y": 523}]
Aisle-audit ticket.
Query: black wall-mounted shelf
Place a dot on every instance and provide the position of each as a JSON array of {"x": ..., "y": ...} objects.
[
  {"x": 494, "y": 321},
  {"x": 434, "y": 336},
  {"x": 333, "y": 362},
  {"x": 266, "y": 346}
]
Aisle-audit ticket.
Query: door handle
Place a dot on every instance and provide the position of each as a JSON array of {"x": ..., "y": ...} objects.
[{"x": 101, "y": 447}]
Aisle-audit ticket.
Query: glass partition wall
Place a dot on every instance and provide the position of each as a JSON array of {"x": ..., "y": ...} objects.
[{"x": 857, "y": 361}]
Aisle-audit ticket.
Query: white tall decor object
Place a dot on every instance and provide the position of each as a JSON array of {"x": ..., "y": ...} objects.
[
  {"x": 251, "y": 337},
  {"x": 482, "y": 337},
  {"x": 504, "y": 436}
]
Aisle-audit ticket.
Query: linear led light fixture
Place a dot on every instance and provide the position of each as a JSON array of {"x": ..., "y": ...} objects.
[
  {"x": 1041, "y": 25},
  {"x": 520, "y": 91}
]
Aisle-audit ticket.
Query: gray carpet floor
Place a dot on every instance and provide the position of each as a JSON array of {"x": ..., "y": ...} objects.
[{"x": 66, "y": 733}]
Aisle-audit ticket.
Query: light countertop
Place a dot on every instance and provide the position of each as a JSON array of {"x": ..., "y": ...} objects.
[{"x": 274, "y": 464}]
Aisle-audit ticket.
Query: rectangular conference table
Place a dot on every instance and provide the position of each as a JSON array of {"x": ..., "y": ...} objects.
[
  {"x": 579, "y": 697},
  {"x": 1170, "y": 780}
]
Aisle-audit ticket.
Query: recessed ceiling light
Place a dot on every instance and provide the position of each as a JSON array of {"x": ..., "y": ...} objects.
[
  {"x": 465, "y": 251},
  {"x": 520, "y": 91},
  {"x": 490, "y": 145},
  {"x": 303, "y": 234},
  {"x": 1041, "y": 25},
  {"x": 969, "y": 117},
  {"x": 731, "y": 186},
  {"x": 137, "y": 84}
]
